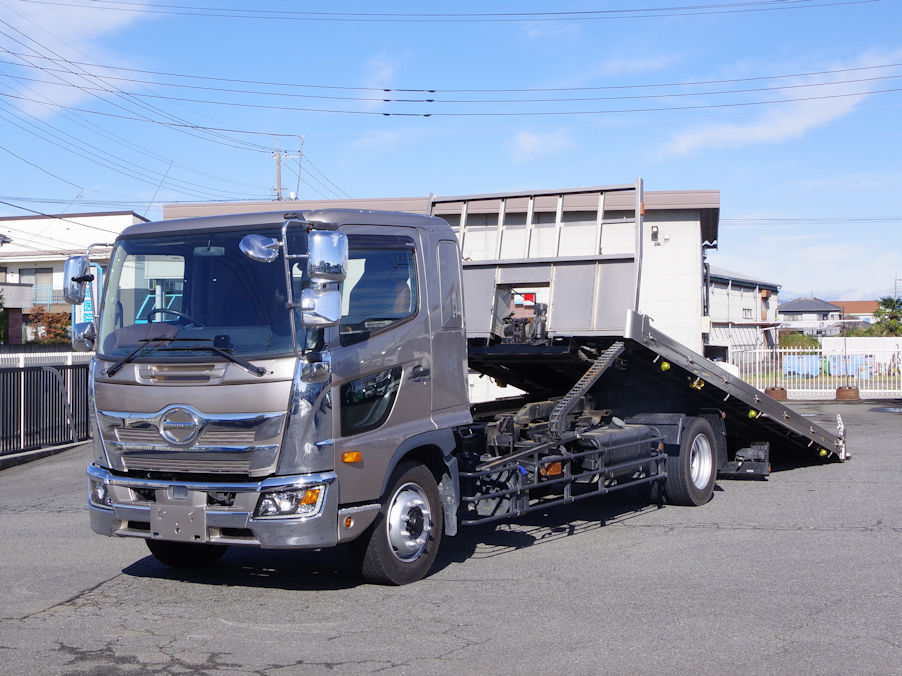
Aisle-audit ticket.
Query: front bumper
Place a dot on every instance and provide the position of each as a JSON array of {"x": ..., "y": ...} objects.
[{"x": 213, "y": 512}]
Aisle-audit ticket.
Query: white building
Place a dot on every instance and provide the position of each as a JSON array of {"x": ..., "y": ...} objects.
[
  {"x": 742, "y": 311},
  {"x": 33, "y": 254},
  {"x": 678, "y": 226}
]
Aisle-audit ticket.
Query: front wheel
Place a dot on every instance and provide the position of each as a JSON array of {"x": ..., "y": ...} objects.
[
  {"x": 401, "y": 545},
  {"x": 692, "y": 470},
  {"x": 185, "y": 554}
]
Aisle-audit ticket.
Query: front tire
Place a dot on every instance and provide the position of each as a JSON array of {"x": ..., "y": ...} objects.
[
  {"x": 185, "y": 554},
  {"x": 692, "y": 469},
  {"x": 401, "y": 545}
]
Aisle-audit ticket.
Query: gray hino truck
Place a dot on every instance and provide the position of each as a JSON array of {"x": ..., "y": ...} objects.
[{"x": 300, "y": 380}]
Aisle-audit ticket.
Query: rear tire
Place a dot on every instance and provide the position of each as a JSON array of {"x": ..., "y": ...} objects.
[
  {"x": 401, "y": 545},
  {"x": 692, "y": 468},
  {"x": 185, "y": 554}
]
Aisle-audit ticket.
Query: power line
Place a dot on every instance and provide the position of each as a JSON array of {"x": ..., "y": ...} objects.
[
  {"x": 108, "y": 161},
  {"x": 528, "y": 113},
  {"x": 435, "y": 90},
  {"x": 456, "y": 17},
  {"x": 118, "y": 93},
  {"x": 438, "y": 101},
  {"x": 60, "y": 218},
  {"x": 39, "y": 168}
]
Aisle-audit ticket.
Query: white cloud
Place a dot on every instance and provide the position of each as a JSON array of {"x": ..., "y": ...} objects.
[
  {"x": 37, "y": 31},
  {"x": 633, "y": 65},
  {"x": 379, "y": 72},
  {"x": 793, "y": 119},
  {"x": 527, "y": 146},
  {"x": 384, "y": 141}
]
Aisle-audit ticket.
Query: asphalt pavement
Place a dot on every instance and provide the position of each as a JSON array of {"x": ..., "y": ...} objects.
[{"x": 797, "y": 574}]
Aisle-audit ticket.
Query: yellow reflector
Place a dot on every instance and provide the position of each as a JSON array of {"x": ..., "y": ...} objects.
[
  {"x": 352, "y": 457},
  {"x": 753, "y": 413},
  {"x": 665, "y": 365},
  {"x": 824, "y": 452},
  {"x": 311, "y": 495}
]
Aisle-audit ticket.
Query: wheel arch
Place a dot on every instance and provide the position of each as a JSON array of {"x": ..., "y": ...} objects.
[{"x": 435, "y": 450}]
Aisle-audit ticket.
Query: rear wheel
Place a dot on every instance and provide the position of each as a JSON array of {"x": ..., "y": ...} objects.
[
  {"x": 185, "y": 554},
  {"x": 401, "y": 545},
  {"x": 692, "y": 469}
]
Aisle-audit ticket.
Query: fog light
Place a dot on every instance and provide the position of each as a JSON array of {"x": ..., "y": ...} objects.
[
  {"x": 295, "y": 502},
  {"x": 99, "y": 494}
]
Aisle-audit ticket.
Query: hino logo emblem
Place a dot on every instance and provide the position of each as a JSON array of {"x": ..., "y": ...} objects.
[{"x": 180, "y": 426}]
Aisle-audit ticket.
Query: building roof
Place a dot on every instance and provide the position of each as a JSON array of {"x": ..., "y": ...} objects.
[
  {"x": 802, "y": 305},
  {"x": 89, "y": 214},
  {"x": 705, "y": 202},
  {"x": 857, "y": 307},
  {"x": 737, "y": 277}
]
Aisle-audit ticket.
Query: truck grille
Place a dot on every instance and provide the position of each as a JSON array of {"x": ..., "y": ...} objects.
[
  {"x": 150, "y": 438},
  {"x": 133, "y": 463},
  {"x": 183, "y": 440}
]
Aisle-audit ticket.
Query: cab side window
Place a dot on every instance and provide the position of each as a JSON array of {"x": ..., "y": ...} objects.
[{"x": 381, "y": 288}]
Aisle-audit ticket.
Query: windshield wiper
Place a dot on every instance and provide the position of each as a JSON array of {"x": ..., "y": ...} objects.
[
  {"x": 114, "y": 369},
  {"x": 243, "y": 363}
]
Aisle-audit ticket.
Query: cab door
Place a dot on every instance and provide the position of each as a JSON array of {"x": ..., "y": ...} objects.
[{"x": 381, "y": 356}]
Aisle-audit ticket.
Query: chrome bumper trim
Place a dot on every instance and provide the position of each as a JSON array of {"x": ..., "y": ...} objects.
[{"x": 308, "y": 531}]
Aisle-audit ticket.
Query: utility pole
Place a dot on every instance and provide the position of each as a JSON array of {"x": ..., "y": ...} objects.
[{"x": 279, "y": 155}]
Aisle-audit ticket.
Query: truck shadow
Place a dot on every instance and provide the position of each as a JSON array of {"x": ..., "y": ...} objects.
[{"x": 334, "y": 569}]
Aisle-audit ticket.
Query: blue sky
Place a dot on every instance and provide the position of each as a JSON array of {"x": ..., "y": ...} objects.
[{"x": 791, "y": 108}]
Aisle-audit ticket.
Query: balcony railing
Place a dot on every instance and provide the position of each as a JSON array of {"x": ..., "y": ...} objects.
[{"x": 47, "y": 296}]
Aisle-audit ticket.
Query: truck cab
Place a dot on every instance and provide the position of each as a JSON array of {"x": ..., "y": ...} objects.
[{"x": 259, "y": 379}]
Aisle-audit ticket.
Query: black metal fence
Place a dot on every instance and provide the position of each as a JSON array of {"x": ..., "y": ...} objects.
[{"x": 43, "y": 406}]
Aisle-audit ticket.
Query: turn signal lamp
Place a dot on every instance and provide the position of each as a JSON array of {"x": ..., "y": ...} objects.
[
  {"x": 350, "y": 457},
  {"x": 293, "y": 502}
]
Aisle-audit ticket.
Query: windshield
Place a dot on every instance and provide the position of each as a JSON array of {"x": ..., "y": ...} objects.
[{"x": 184, "y": 294}]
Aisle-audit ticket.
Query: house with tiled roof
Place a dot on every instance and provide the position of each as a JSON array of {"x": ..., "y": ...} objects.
[
  {"x": 860, "y": 310},
  {"x": 813, "y": 316}
]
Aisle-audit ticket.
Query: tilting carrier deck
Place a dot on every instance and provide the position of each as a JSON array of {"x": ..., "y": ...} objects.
[{"x": 608, "y": 399}]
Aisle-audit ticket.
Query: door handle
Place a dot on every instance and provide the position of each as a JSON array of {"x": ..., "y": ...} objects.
[{"x": 419, "y": 372}]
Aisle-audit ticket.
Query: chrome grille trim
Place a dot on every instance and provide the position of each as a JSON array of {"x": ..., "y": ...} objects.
[
  {"x": 220, "y": 443},
  {"x": 186, "y": 465}
]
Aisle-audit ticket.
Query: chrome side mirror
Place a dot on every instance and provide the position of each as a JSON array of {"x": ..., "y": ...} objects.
[
  {"x": 328, "y": 260},
  {"x": 76, "y": 276},
  {"x": 259, "y": 248},
  {"x": 320, "y": 307},
  {"x": 83, "y": 337}
]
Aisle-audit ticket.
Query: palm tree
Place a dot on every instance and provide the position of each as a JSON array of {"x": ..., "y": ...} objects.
[{"x": 888, "y": 316}]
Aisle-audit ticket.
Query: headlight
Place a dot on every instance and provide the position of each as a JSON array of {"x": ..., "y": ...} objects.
[
  {"x": 99, "y": 493},
  {"x": 293, "y": 502}
]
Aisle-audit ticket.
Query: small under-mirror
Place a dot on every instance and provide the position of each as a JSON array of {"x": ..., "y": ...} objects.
[{"x": 259, "y": 248}]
